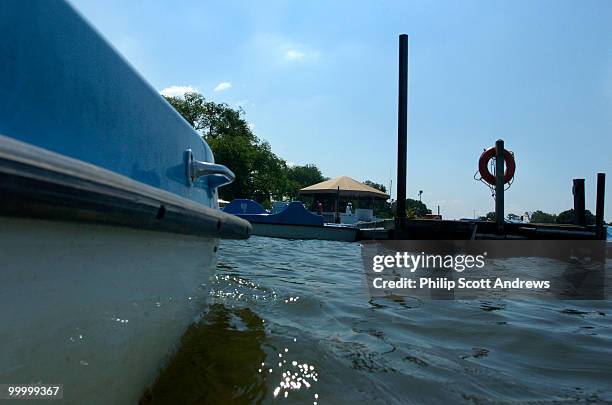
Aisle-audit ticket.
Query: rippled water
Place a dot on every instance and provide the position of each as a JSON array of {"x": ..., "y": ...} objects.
[{"x": 292, "y": 322}]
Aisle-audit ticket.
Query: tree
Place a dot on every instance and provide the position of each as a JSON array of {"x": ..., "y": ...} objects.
[
  {"x": 302, "y": 176},
  {"x": 569, "y": 217},
  {"x": 377, "y": 186},
  {"x": 416, "y": 208},
  {"x": 489, "y": 217},
  {"x": 540, "y": 217},
  {"x": 211, "y": 119},
  {"x": 260, "y": 174}
]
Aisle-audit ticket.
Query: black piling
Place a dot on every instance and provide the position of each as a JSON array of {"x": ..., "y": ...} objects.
[
  {"x": 579, "y": 206},
  {"x": 337, "y": 214},
  {"x": 499, "y": 185},
  {"x": 601, "y": 193},
  {"x": 402, "y": 131}
]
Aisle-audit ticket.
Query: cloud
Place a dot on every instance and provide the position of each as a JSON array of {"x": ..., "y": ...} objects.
[
  {"x": 293, "y": 54},
  {"x": 251, "y": 126},
  {"x": 223, "y": 86},
  {"x": 279, "y": 49},
  {"x": 177, "y": 91}
]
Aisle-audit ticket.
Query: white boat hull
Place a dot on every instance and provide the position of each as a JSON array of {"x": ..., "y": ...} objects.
[
  {"x": 339, "y": 233},
  {"x": 96, "y": 308}
]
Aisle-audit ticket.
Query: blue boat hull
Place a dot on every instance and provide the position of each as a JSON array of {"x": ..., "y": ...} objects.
[
  {"x": 65, "y": 89},
  {"x": 108, "y": 212}
]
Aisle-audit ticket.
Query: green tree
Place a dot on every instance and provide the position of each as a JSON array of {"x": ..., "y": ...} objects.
[
  {"x": 302, "y": 176},
  {"x": 260, "y": 174},
  {"x": 489, "y": 217},
  {"x": 569, "y": 217},
  {"x": 416, "y": 208},
  {"x": 212, "y": 120},
  {"x": 377, "y": 186},
  {"x": 540, "y": 217}
]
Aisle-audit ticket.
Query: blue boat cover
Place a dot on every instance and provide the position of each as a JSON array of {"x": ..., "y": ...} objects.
[
  {"x": 244, "y": 206},
  {"x": 294, "y": 214}
]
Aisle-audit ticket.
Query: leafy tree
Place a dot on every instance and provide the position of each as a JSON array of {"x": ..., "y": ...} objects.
[
  {"x": 377, "y": 186},
  {"x": 416, "y": 208},
  {"x": 260, "y": 174},
  {"x": 302, "y": 176},
  {"x": 211, "y": 119},
  {"x": 540, "y": 217},
  {"x": 489, "y": 217},
  {"x": 569, "y": 217}
]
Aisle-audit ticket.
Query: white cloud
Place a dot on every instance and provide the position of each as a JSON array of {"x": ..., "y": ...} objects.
[
  {"x": 251, "y": 126},
  {"x": 293, "y": 54},
  {"x": 223, "y": 86},
  {"x": 279, "y": 49},
  {"x": 177, "y": 91}
]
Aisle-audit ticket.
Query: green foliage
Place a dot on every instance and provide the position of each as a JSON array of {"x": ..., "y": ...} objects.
[
  {"x": 566, "y": 217},
  {"x": 212, "y": 120},
  {"x": 569, "y": 217},
  {"x": 260, "y": 174},
  {"x": 540, "y": 217},
  {"x": 489, "y": 217},
  {"x": 414, "y": 209},
  {"x": 302, "y": 176},
  {"x": 377, "y": 186}
]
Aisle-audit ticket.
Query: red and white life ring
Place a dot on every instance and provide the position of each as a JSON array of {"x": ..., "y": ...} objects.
[{"x": 483, "y": 166}]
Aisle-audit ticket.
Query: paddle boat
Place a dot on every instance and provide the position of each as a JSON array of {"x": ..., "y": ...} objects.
[
  {"x": 289, "y": 220},
  {"x": 109, "y": 221}
]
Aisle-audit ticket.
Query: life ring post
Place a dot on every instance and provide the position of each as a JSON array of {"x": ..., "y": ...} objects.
[{"x": 499, "y": 185}]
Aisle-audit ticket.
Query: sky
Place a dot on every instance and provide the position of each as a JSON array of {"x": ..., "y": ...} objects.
[{"x": 318, "y": 81}]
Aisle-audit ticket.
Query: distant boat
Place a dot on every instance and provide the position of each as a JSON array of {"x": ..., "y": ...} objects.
[
  {"x": 109, "y": 223},
  {"x": 289, "y": 221}
]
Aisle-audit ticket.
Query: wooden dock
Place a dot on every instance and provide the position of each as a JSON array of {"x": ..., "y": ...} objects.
[{"x": 432, "y": 229}]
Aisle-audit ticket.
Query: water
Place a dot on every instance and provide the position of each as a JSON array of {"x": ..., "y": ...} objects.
[{"x": 301, "y": 308}]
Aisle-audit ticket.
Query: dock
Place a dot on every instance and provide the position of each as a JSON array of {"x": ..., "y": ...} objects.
[{"x": 432, "y": 229}]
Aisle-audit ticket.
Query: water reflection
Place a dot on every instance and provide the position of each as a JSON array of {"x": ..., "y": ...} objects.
[
  {"x": 216, "y": 362},
  {"x": 293, "y": 322}
]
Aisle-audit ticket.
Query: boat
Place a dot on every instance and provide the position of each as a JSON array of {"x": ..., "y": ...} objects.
[
  {"x": 289, "y": 220},
  {"x": 109, "y": 219}
]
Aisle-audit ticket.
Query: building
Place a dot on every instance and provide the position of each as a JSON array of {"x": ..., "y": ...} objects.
[{"x": 335, "y": 195}]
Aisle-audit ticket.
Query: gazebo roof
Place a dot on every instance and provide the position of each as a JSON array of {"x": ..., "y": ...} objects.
[{"x": 348, "y": 187}]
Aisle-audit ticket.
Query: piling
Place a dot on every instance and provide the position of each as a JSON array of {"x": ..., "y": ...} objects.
[
  {"x": 601, "y": 193},
  {"x": 402, "y": 130},
  {"x": 499, "y": 185},
  {"x": 579, "y": 206}
]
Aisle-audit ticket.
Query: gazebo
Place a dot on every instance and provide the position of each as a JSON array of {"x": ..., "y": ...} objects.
[{"x": 336, "y": 193}]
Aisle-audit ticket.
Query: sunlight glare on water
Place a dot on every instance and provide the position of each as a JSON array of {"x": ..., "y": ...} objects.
[{"x": 292, "y": 321}]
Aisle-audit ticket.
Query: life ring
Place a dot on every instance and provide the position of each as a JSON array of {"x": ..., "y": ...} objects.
[{"x": 483, "y": 166}]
